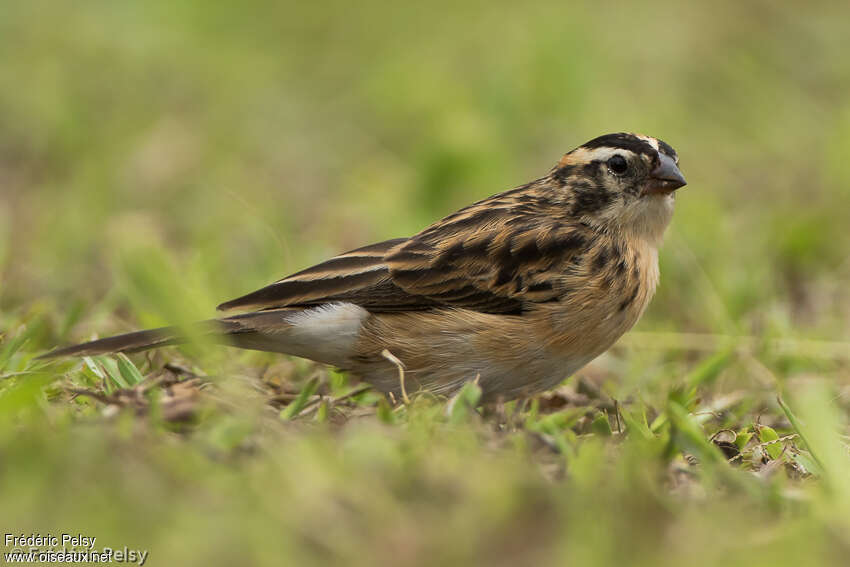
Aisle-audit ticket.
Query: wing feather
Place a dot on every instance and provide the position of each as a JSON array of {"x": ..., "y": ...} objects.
[
  {"x": 490, "y": 271},
  {"x": 496, "y": 256},
  {"x": 359, "y": 276}
]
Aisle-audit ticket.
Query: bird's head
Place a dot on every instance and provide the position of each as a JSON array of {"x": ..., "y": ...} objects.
[{"x": 622, "y": 181}]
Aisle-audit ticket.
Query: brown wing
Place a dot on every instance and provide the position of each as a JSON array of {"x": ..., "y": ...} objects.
[
  {"x": 495, "y": 259},
  {"x": 359, "y": 276},
  {"x": 495, "y": 256}
]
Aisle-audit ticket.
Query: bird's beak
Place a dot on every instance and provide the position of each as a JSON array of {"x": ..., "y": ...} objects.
[{"x": 665, "y": 178}]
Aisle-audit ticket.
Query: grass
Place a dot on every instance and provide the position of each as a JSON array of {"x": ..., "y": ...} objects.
[{"x": 157, "y": 159}]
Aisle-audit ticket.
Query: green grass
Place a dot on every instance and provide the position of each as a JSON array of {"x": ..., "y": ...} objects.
[{"x": 159, "y": 158}]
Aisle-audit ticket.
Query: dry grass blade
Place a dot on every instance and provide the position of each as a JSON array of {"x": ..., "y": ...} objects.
[
  {"x": 750, "y": 450},
  {"x": 400, "y": 365}
]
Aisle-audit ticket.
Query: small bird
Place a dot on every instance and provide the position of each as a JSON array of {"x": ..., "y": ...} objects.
[{"x": 517, "y": 291}]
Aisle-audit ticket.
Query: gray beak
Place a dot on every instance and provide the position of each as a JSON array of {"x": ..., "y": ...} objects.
[{"x": 665, "y": 178}]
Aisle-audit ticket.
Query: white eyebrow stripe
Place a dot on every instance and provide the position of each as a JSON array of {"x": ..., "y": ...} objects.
[{"x": 604, "y": 154}]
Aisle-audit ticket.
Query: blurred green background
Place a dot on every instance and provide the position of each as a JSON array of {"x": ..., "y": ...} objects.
[{"x": 157, "y": 158}]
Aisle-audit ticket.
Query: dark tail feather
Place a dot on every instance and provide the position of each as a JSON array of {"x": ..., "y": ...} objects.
[
  {"x": 130, "y": 342},
  {"x": 231, "y": 330}
]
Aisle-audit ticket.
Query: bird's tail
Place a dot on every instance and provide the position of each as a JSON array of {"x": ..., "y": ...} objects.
[
  {"x": 129, "y": 342},
  {"x": 141, "y": 340},
  {"x": 233, "y": 330},
  {"x": 324, "y": 333}
]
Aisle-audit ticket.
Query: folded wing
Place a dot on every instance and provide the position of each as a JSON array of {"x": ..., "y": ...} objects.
[
  {"x": 495, "y": 257},
  {"x": 360, "y": 276}
]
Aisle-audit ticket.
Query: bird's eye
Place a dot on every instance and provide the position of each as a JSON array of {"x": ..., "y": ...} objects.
[{"x": 618, "y": 164}]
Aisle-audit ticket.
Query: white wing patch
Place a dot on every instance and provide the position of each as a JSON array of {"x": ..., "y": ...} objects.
[{"x": 327, "y": 333}]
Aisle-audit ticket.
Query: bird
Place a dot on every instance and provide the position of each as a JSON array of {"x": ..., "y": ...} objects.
[{"x": 515, "y": 292}]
